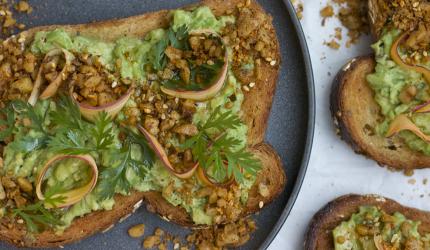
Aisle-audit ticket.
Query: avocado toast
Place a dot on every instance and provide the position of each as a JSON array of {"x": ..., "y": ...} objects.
[
  {"x": 368, "y": 222},
  {"x": 379, "y": 102},
  {"x": 147, "y": 58}
]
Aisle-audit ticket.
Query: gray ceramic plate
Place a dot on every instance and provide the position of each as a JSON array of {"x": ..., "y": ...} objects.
[{"x": 290, "y": 126}]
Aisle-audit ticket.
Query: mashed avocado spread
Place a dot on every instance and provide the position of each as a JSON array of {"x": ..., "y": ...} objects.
[
  {"x": 388, "y": 81},
  {"x": 371, "y": 226},
  {"x": 128, "y": 55}
]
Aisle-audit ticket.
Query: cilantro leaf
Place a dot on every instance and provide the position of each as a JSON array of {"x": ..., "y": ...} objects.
[
  {"x": 222, "y": 120},
  {"x": 218, "y": 153},
  {"x": 7, "y": 122},
  {"x": 71, "y": 142},
  {"x": 36, "y": 216},
  {"x": 103, "y": 132},
  {"x": 28, "y": 144},
  {"x": 148, "y": 153},
  {"x": 67, "y": 114}
]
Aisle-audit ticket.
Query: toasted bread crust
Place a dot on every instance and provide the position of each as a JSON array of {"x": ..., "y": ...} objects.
[
  {"x": 319, "y": 234},
  {"x": 256, "y": 109},
  {"x": 272, "y": 175},
  {"x": 355, "y": 113}
]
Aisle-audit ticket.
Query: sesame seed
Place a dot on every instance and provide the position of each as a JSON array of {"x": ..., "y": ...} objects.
[
  {"x": 261, "y": 204},
  {"x": 273, "y": 63},
  {"x": 252, "y": 84},
  {"x": 151, "y": 98},
  {"x": 165, "y": 106},
  {"x": 246, "y": 88},
  {"x": 114, "y": 84},
  {"x": 176, "y": 100},
  {"x": 268, "y": 59},
  {"x": 20, "y": 221},
  {"x": 163, "y": 116},
  {"x": 147, "y": 111}
]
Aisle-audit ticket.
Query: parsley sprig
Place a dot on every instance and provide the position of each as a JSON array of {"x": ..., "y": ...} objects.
[
  {"x": 21, "y": 110},
  {"x": 73, "y": 135},
  {"x": 36, "y": 216},
  {"x": 116, "y": 176},
  {"x": 213, "y": 148}
]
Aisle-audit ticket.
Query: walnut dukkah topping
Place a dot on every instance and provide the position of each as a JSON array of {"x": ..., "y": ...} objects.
[
  {"x": 18, "y": 69},
  {"x": 405, "y": 15},
  {"x": 408, "y": 15},
  {"x": 253, "y": 42},
  {"x": 7, "y": 20},
  {"x": 95, "y": 85},
  {"x": 353, "y": 16},
  {"x": 223, "y": 236},
  {"x": 216, "y": 237}
]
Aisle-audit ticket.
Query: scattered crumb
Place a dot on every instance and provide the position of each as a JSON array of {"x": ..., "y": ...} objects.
[
  {"x": 326, "y": 12},
  {"x": 332, "y": 44},
  {"x": 353, "y": 16},
  {"x": 298, "y": 5},
  {"x": 408, "y": 172},
  {"x": 215, "y": 237},
  {"x": 412, "y": 181},
  {"x": 422, "y": 196},
  {"x": 338, "y": 33},
  {"x": 8, "y": 23},
  {"x": 425, "y": 180}
]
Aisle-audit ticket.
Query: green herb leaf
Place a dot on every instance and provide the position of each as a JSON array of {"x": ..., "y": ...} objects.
[
  {"x": 28, "y": 144},
  {"x": 148, "y": 153},
  {"x": 103, "y": 132},
  {"x": 115, "y": 177},
  {"x": 7, "y": 122},
  {"x": 218, "y": 153},
  {"x": 36, "y": 216},
  {"x": 67, "y": 114},
  {"x": 222, "y": 120},
  {"x": 70, "y": 142}
]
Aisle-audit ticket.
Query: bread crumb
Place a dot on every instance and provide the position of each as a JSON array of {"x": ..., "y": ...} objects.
[
  {"x": 332, "y": 44},
  {"x": 425, "y": 180},
  {"x": 326, "y": 13},
  {"x": 412, "y": 181},
  {"x": 353, "y": 16},
  {"x": 298, "y": 6},
  {"x": 338, "y": 33},
  {"x": 408, "y": 172}
]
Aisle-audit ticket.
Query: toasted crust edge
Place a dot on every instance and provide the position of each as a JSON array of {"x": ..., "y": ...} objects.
[{"x": 318, "y": 235}]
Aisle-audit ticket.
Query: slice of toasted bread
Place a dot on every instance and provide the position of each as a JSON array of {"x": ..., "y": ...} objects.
[
  {"x": 256, "y": 108},
  {"x": 355, "y": 114},
  {"x": 319, "y": 234}
]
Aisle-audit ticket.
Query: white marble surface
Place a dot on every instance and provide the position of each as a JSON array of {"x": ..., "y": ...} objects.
[{"x": 334, "y": 169}]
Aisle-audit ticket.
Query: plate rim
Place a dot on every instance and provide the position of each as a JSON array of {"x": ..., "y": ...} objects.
[{"x": 310, "y": 127}]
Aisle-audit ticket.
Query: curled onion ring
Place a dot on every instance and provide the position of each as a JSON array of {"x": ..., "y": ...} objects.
[
  {"x": 71, "y": 196},
  {"x": 162, "y": 155},
  {"x": 56, "y": 83},
  {"x": 206, "y": 180},
  {"x": 399, "y": 61},
  {"x": 402, "y": 122},
  {"x": 205, "y": 94},
  {"x": 112, "y": 109}
]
